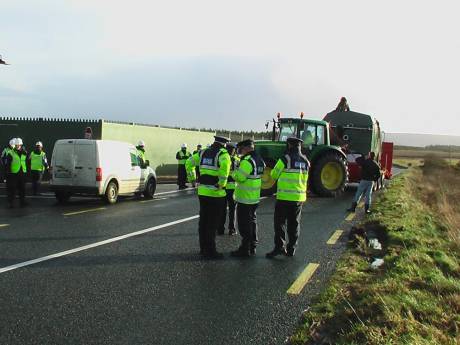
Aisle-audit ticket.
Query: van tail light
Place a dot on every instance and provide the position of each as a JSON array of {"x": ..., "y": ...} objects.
[{"x": 98, "y": 174}]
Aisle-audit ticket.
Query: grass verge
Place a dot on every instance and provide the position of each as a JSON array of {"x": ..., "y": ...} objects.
[{"x": 415, "y": 297}]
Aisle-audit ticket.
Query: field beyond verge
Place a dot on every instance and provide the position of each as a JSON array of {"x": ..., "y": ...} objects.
[{"x": 414, "y": 298}]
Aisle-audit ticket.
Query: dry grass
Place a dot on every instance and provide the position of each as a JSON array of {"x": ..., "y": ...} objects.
[{"x": 441, "y": 192}]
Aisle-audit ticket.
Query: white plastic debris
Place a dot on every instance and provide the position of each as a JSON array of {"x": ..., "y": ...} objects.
[
  {"x": 375, "y": 244},
  {"x": 377, "y": 263}
]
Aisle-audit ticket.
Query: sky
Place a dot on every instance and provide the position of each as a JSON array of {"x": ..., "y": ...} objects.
[{"x": 232, "y": 64}]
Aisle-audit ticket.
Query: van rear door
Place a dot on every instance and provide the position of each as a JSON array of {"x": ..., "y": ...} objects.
[
  {"x": 85, "y": 163},
  {"x": 62, "y": 162}
]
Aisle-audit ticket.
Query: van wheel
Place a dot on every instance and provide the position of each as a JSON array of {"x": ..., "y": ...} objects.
[
  {"x": 62, "y": 197},
  {"x": 111, "y": 193},
  {"x": 150, "y": 188}
]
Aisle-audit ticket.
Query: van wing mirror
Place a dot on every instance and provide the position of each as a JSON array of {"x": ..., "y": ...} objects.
[{"x": 147, "y": 163}]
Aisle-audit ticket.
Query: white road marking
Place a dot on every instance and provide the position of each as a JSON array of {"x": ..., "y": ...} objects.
[
  {"x": 93, "y": 245},
  {"x": 174, "y": 191},
  {"x": 154, "y": 199}
]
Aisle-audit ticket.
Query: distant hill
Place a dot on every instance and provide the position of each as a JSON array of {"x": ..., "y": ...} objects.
[{"x": 422, "y": 140}]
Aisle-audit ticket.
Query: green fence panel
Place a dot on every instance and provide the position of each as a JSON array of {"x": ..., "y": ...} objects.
[{"x": 161, "y": 143}]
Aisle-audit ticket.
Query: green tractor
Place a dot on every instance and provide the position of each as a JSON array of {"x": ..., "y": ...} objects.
[{"x": 328, "y": 172}]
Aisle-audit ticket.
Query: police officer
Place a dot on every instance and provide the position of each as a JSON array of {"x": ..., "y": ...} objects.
[
  {"x": 5, "y": 153},
  {"x": 247, "y": 196},
  {"x": 214, "y": 164},
  {"x": 291, "y": 171},
  {"x": 199, "y": 147},
  {"x": 229, "y": 189},
  {"x": 16, "y": 164},
  {"x": 38, "y": 164},
  {"x": 141, "y": 152},
  {"x": 182, "y": 157}
]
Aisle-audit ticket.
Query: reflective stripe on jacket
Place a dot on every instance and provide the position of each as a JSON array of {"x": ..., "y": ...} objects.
[
  {"x": 291, "y": 171},
  {"x": 248, "y": 179},
  {"x": 37, "y": 161},
  {"x": 214, "y": 164}
]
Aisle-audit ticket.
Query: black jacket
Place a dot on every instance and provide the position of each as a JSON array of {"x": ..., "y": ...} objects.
[{"x": 370, "y": 170}]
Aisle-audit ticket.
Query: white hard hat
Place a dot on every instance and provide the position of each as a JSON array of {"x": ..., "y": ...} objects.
[
  {"x": 12, "y": 142},
  {"x": 18, "y": 141},
  {"x": 140, "y": 143},
  {"x": 39, "y": 143},
  {"x": 184, "y": 146}
]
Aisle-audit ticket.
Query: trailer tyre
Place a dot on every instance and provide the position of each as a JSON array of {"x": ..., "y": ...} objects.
[{"x": 329, "y": 175}]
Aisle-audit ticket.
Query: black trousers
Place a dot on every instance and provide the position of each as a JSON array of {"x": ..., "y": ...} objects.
[
  {"x": 247, "y": 225},
  {"x": 181, "y": 176},
  {"x": 16, "y": 182},
  {"x": 36, "y": 180},
  {"x": 210, "y": 217},
  {"x": 287, "y": 212},
  {"x": 231, "y": 212}
]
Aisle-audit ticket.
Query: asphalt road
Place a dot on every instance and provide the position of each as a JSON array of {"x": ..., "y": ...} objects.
[{"x": 153, "y": 288}]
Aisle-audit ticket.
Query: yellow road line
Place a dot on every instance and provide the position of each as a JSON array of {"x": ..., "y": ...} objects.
[
  {"x": 335, "y": 236},
  {"x": 4, "y": 225},
  {"x": 350, "y": 217},
  {"x": 84, "y": 211},
  {"x": 302, "y": 279}
]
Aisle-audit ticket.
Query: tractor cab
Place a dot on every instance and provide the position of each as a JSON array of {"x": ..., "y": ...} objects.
[{"x": 312, "y": 132}]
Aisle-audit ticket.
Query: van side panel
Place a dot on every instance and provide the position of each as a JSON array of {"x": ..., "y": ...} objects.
[{"x": 115, "y": 163}]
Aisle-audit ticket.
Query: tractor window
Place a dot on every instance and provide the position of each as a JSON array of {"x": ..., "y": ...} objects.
[
  {"x": 320, "y": 135},
  {"x": 308, "y": 135},
  {"x": 288, "y": 130}
]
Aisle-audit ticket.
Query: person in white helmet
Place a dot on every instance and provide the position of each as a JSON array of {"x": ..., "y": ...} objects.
[
  {"x": 16, "y": 165},
  {"x": 141, "y": 152},
  {"x": 5, "y": 152},
  {"x": 182, "y": 155},
  {"x": 38, "y": 165}
]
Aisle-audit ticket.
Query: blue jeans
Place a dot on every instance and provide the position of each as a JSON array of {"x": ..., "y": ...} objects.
[{"x": 364, "y": 188}]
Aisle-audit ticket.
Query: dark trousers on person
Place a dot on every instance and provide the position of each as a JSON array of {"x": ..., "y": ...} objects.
[
  {"x": 16, "y": 182},
  {"x": 230, "y": 202},
  {"x": 247, "y": 225},
  {"x": 287, "y": 212},
  {"x": 210, "y": 217},
  {"x": 181, "y": 176},
  {"x": 36, "y": 180}
]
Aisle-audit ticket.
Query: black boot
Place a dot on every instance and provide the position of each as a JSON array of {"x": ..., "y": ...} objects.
[
  {"x": 241, "y": 252},
  {"x": 353, "y": 207},
  {"x": 276, "y": 252}
]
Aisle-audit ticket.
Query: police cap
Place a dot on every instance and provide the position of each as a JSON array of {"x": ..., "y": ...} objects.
[
  {"x": 246, "y": 143},
  {"x": 221, "y": 140},
  {"x": 294, "y": 141}
]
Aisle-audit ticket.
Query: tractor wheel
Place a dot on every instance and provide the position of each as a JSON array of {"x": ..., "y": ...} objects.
[
  {"x": 268, "y": 184},
  {"x": 329, "y": 175}
]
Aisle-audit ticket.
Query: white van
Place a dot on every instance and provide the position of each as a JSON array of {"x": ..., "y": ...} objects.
[{"x": 99, "y": 167}]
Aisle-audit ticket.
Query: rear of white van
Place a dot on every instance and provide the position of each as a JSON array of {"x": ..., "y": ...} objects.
[{"x": 75, "y": 167}]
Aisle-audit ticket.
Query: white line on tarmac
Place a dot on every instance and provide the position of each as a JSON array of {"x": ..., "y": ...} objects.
[
  {"x": 93, "y": 245},
  {"x": 175, "y": 191}
]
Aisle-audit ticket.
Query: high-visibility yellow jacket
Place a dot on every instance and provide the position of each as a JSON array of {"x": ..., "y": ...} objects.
[
  {"x": 38, "y": 161},
  {"x": 248, "y": 179},
  {"x": 18, "y": 162},
  {"x": 214, "y": 164},
  {"x": 291, "y": 171},
  {"x": 231, "y": 184},
  {"x": 182, "y": 157}
]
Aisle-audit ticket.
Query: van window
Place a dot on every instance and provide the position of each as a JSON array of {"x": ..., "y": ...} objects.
[{"x": 134, "y": 159}]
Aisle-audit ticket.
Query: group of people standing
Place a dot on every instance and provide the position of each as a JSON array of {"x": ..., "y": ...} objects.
[
  {"x": 230, "y": 175},
  {"x": 16, "y": 162}
]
